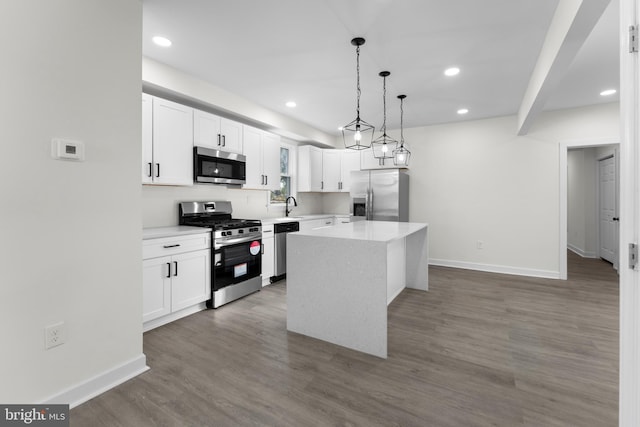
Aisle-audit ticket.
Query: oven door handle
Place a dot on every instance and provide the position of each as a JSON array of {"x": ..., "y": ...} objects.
[{"x": 230, "y": 242}]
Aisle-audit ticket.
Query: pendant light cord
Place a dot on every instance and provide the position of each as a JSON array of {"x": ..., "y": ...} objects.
[
  {"x": 401, "y": 123},
  {"x": 358, "y": 82},
  {"x": 384, "y": 105}
]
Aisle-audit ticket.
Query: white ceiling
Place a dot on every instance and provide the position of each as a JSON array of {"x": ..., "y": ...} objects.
[{"x": 274, "y": 51}]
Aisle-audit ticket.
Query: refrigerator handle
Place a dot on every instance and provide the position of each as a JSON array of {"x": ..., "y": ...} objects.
[
  {"x": 370, "y": 205},
  {"x": 366, "y": 206}
]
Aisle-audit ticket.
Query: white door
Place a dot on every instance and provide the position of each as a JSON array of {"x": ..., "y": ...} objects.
[{"x": 607, "y": 210}]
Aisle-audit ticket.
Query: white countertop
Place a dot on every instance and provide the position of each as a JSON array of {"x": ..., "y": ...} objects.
[
  {"x": 177, "y": 230},
  {"x": 306, "y": 217},
  {"x": 375, "y": 231}
]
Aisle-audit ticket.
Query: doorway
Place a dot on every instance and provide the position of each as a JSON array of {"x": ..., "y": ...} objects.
[{"x": 589, "y": 241}]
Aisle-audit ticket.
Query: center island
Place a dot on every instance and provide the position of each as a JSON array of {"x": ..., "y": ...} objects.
[{"x": 341, "y": 279}]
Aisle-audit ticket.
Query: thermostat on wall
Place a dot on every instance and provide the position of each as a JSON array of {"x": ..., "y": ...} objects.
[{"x": 67, "y": 149}]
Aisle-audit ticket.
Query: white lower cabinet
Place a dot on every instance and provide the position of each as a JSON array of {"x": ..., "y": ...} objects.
[
  {"x": 268, "y": 253},
  {"x": 176, "y": 278}
]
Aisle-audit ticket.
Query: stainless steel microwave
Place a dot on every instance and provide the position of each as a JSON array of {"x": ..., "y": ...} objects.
[{"x": 218, "y": 167}]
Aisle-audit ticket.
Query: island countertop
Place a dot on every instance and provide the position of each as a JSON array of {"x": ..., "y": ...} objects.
[{"x": 373, "y": 231}]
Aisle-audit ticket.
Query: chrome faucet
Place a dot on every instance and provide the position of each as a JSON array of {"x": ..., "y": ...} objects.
[{"x": 286, "y": 209}]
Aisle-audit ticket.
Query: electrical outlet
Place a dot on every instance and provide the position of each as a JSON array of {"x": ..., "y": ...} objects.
[
  {"x": 54, "y": 335},
  {"x": 479, "y": 244}
]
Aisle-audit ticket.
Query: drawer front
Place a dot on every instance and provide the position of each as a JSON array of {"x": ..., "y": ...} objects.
[
  {"x": 267, "y": 231},
  {"x": 153, "y": 248},
  {"x": 343, "y": 219}
]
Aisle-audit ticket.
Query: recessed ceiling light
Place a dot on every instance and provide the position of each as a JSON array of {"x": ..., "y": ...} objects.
[
  {"x": 453, "y": 71},
  {"x": 463, "y": 111},
  {"x": 291, "y": 104},
  {"x": 161, "y": 41},
  {"x": 608, "y": 92}
]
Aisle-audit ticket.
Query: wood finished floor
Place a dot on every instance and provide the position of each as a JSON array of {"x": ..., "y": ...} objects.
[{"x": 478, "y": 349}]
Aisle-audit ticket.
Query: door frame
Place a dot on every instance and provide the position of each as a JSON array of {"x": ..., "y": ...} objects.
[{"x": 563, "y": 193}]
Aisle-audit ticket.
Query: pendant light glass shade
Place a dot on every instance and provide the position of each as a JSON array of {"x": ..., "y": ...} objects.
[
  {"x": 357, "y": 135},
  {"x": 401, "y": 155},
  {"x": 383, "y": 146}
]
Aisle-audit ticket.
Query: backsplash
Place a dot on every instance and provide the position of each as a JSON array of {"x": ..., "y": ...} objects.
[{"x": 160, "y": 203}]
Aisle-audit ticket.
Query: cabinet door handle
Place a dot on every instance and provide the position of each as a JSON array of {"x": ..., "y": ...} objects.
[
  {"x": 322, "y": 185},
  {"x": 157, "y": 170},
  {"x": 261, "y": 179},
  {"x": 218, "y": 139},
  {"x": 267, "y": 231},
  {"x": 266, "y": 180},
  {"x": 168, "y": 269},
  {"x": 171, "y": 246},
  {"x": 224, "y": 140},
  {"x": 175, "y": 273},
  {"x": 150, "y": 169}
]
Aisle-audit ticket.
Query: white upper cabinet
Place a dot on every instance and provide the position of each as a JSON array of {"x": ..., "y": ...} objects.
[
  {"x": 331, "y": 160},
  {"x": 309, "y": 168},
  {"x": 325, "y": 170},
  {"x": 147, "y": 139},
  {"x": 350, "y": 161},
  {"x": 167, "y": 159},
  {"x": 216, "y": 132},
  {"x": 262, "y": 151},
  {"x": 271, "y": 160}
]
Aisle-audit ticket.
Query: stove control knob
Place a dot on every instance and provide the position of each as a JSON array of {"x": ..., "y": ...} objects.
[{"x": 240, "y": 231}]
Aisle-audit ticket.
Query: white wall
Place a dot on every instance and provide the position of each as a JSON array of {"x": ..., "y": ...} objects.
[
  {"x": 477, "y": 181},
  {"x": 70, "y": 231},
  {"x": 160, "y": 203}
]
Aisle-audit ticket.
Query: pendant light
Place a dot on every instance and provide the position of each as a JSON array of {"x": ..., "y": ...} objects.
[
  {"x": 356, "y": 134},
  {"x": 401, "y": 155},
  {"x": 384, "y": 146}
]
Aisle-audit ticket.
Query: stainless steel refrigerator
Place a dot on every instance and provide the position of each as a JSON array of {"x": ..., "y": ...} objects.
[{"x": 380, "y": 195}]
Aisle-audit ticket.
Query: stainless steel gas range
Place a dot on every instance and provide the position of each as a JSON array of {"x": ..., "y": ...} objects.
[{"x": 236, "y": 249}]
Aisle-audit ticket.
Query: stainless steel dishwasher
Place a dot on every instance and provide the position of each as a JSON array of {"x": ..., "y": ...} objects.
[{"x": 280, "y": 239}]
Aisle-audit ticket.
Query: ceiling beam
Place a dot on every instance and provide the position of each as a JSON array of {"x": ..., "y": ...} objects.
[{"x": 571, "y": 25}]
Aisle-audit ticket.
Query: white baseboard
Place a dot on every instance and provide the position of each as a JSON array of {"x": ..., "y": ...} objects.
[
  {"x": 502, "y": 269},
  {"x": 100, "y": 383},
  {"x": 580, "y": 252}
]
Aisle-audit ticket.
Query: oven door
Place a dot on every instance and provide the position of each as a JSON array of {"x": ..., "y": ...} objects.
[
  {"x": 236, "y": 261},
  {"x": 218, "y": 167}
]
